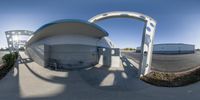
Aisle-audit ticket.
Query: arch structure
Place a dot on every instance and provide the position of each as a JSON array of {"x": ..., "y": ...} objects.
[
  {"x": 14, "y": 39},
  {"x": 147, "y": 37}
]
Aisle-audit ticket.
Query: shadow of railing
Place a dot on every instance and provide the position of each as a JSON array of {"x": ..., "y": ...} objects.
[{"x": 121, "y": 80}]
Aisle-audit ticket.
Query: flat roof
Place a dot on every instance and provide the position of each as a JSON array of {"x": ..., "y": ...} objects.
[{"x": 173, "y": 44}]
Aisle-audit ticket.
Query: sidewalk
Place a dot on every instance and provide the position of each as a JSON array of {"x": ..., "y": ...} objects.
[{"x": 33, "y": 82}]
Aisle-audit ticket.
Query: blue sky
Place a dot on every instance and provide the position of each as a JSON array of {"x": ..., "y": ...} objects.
[{"x": 178, "y": 21}]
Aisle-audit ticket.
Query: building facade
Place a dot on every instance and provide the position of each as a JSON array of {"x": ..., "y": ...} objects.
[
  {"x": 178, "y": 48},
  {"x": 70, "y": 44},
  {"x": 172, "y": 48},
  {"x": 77, "y": 44}
]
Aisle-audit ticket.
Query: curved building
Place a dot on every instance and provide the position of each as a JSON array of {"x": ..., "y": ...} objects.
[
  {"x": 77, "y": 44},
  {"x": 68, "y": 43}
]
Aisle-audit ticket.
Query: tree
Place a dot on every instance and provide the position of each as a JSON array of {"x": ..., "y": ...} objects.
[{"x": 129, "y": 49}]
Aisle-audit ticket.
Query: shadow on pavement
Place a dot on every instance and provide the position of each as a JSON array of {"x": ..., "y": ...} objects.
[
  {"x": 94, "y": 83},
  {"x": 118, "y": 79}
]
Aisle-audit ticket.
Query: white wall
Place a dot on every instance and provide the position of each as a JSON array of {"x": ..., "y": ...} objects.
[
  {"x": 74, "y": 56},
  {"x": 77, "y": 39},
  {"x": 37, "y": 52}
]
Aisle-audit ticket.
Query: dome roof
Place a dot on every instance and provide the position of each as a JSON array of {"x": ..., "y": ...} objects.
[{"x": 68, "y": 26}]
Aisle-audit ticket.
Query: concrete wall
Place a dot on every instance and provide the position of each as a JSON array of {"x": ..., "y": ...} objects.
[
  {"x": 109, "y": 57},
  {"x": 67, "y": 56},
  {"x": 70, "y": 50},
  {"x": 36, "y": 52},
  {"x": 74, "y": 56},
  {"x": 106, "y": 42}
]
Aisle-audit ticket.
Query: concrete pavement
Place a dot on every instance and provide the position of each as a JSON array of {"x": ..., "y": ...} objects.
[{"x": 29, "y": 81}]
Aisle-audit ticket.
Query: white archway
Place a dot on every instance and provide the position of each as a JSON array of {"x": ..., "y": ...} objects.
[
  {"x": 14, "y": 41},
  {"x": 147, "y": 38}
]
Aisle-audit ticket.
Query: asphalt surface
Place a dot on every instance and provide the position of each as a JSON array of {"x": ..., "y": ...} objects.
[
  {"x": 169, "y": 63},
  {"x": 29, "y": 81}
]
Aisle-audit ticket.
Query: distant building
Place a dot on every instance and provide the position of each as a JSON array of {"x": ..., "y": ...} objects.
[
  {"x": 138, "y": 49},
  {"x": 172, "y": 48}
]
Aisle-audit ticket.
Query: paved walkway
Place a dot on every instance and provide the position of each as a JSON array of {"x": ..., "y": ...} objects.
[{"x": 30, "y": 81}]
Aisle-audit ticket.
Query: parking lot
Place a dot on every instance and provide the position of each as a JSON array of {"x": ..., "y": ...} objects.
[{"x": 169, "y": 63}]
